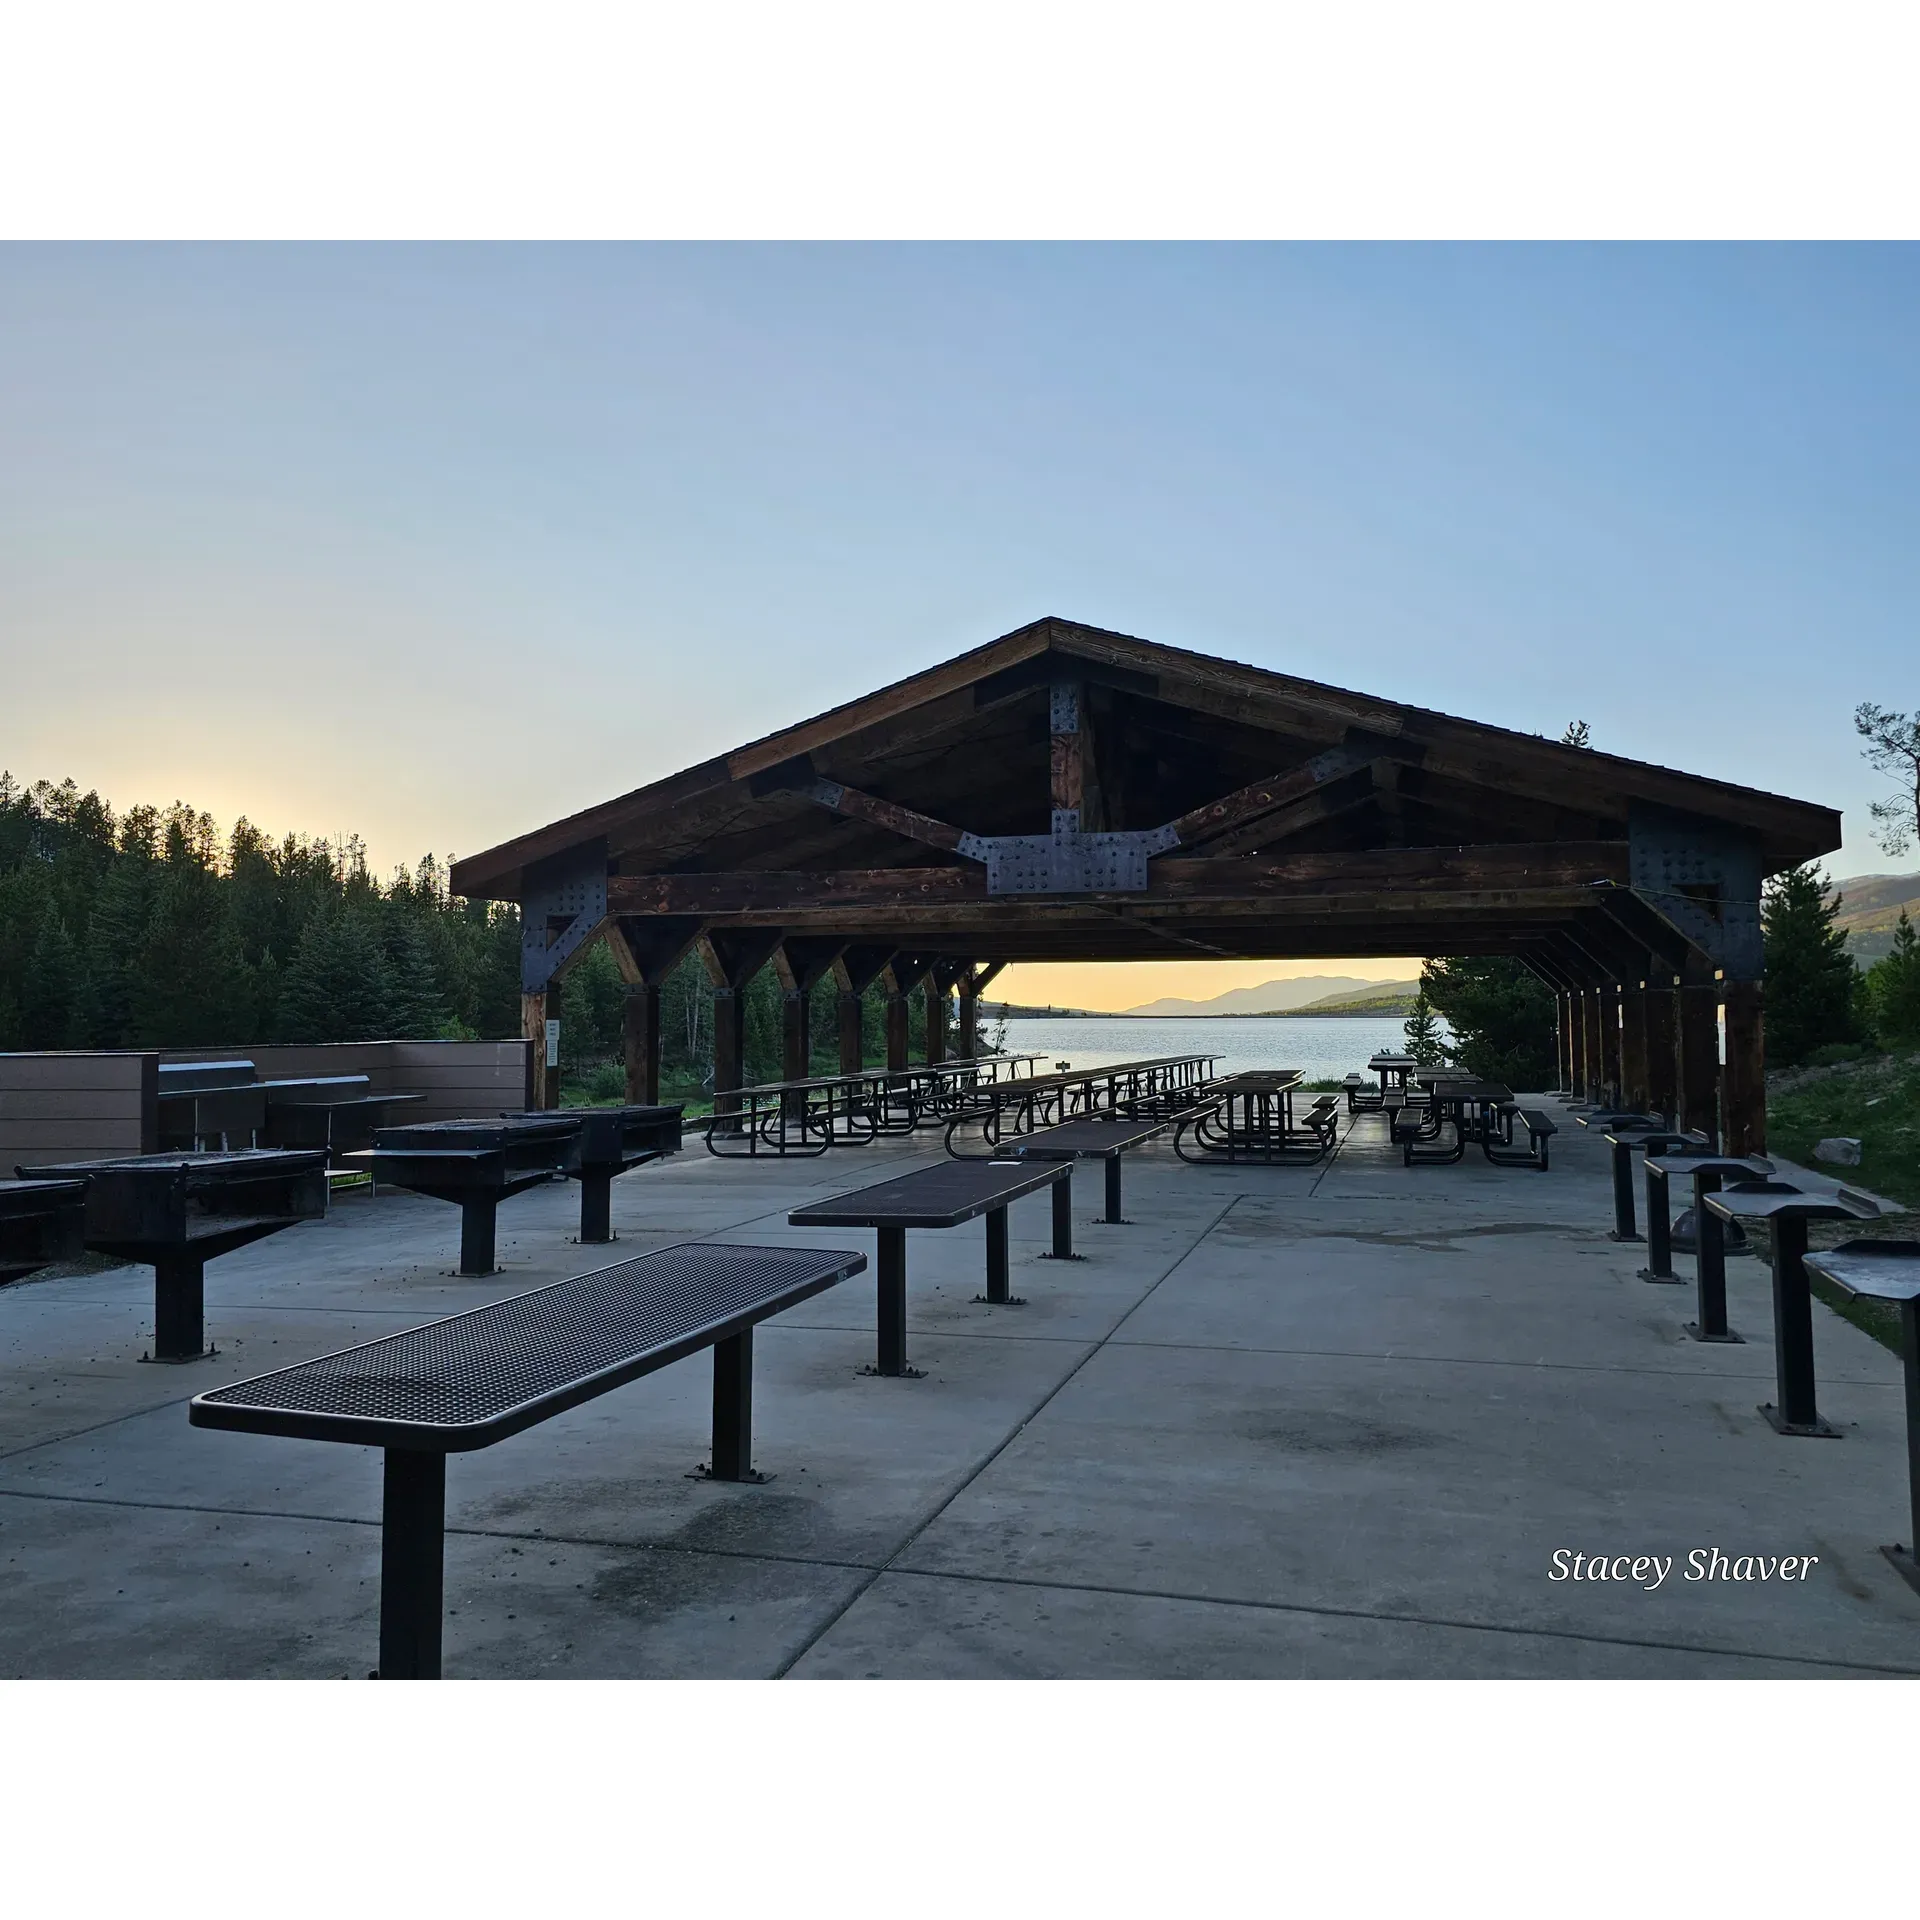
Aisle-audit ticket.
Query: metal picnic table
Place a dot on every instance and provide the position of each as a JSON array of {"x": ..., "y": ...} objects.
[{"x": 941, "y": 1196}]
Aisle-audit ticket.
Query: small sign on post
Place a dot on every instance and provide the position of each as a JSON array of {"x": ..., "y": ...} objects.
[{"x": 553, "y": 1043}]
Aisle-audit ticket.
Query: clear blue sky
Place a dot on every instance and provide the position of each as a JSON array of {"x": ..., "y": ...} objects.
[{"x": 438, "y": 543}]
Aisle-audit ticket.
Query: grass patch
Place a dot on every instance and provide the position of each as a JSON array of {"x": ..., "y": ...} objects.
[{"x": 1876, "y": 1102}]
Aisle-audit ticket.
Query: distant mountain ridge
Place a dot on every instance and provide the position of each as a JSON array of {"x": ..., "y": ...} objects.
[
  {"x": 1274, "y": 996},
  {"x": 1870, "y": 906}
]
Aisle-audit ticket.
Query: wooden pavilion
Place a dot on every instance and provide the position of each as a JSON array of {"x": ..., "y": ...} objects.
[{"x": 1064, "y": 793}]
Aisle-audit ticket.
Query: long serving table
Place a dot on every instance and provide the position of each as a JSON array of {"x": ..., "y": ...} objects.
[
  {"x": 806, "y": 1117},
  {"x": 1137, "y": 1089}
]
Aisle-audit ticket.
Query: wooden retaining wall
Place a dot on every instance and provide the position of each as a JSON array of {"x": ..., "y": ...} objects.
[
  {"x": 76, "y": 1106},
  {"x": 88, "y": 1106}
]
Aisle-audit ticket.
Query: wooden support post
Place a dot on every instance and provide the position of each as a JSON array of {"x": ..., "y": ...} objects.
[
  {"x": 796, "y": 1033},
  {"x": 1744, "y": 1085},
  {"x": 1610, "y": 1040},
  {"x": 1593, "y": 1088},
  {"x": 855, "y": 969},
  {"x": 1662, "y": 1017},
  {"x": 966, "y": 1044},
  {"x": 897, "y": 1027},
  {"x": 1566, "y": 1040},
  {"x": 1633, "y": 1045},
  {"x": 533, "y": 1027},
  {"x": 1698, "y": 1055},
  {"x": 640, "y": 1044},
  {"x": 936, "y": 1019},
  {"x": 1067, "y": 758},
  {"x": 645, "y": 951},
  {"x": 729, "y": 1048}
]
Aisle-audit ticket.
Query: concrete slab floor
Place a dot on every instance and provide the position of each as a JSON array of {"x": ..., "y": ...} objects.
[{"x": 1316, "y": 1421}]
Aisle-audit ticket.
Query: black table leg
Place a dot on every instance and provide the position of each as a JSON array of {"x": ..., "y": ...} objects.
[
  {"x": 413, "y": 1526},
  {"x": 1659, "y": 1267},
  {"x": 733, "y": 1408},
  {"x": 1710, "y": 1271},
  {"x": 1903, "y": 1557},
  {"x": 179, "y": 1308},
  {"x": 476, "y": 1234},
  {"x": 1114, "y": 1216},
  {"x": 1623, "y": 1226},
  {"x": 890, "y": 1281},
  {"x": 999, "y": 1291},
  {"x": 1063, "y": 1218},
  {"x": 1796, "y": 1412},
  {"x": 596, "y": 1208}
]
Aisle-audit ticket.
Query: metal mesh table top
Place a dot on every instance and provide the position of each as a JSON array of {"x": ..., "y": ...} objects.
[
  {"x": 1754, "y": 1167},
  {"x": 1879, "y": 1269},
  {"x": 468, "y": 1381},
  {"x": 942, "y": 1196},
  {"x": 1084, "y": 1139}
]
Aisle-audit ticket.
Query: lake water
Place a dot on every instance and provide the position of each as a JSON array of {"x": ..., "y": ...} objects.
[{"x": 1323, "y": 1046}]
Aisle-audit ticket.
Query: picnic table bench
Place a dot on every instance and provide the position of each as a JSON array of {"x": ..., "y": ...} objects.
[
  {"x": 463, "y": 1383},
  {"x": 176, "y": 1211},
  {"x": 942, "y": 1196},
  {"x": 41, "y": 1222},
  {"x": 1889, "y": 1270},
  {"x": 1787, "y": 1212},
  {"x": 1090, "y": 1139},
  {"x": 476, "y": 1164}
]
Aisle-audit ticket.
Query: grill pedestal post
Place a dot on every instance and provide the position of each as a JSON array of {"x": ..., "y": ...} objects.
[
  {"x": 179, "y": 1307},
  {"x": 596, "y": 1208},
  {"x": 1113, "y": 1191},
  {"x": 1796, "y": 1412},
  {"x": 413, "y": 1524},
  {"x": 476, "y": 1235},
  {"x": 999, "y": 1267},
  {"x": 1623, "y": 1222}
]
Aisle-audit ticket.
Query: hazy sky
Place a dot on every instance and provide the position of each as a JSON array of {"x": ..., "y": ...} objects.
[{"x": 435, "y": 544}]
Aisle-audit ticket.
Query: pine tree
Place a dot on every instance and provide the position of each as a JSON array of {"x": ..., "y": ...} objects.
[
  {"x": 1423, "y": 1032},
  {"x": 51, "y": 991},
  {"x": 1893, "y": 989},
  {"x": 336, "y": 985},
  {"x": 1501, "y": 1016},
  {"x": 1810, "y": 976}
]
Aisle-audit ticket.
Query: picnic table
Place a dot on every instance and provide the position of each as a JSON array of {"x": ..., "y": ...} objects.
[
  {"x": 1249, "y": 1117},
  {"x": 1787, "y": 1212},
  {"x": 807, "y": 1116},
  {"x": 1159, "y": 1085},
  {"x": 476, "y": 1164},
  {"x": 1471, "y": 1107},
  {"x": 1100, "y": 1138},
  {"x": 1889, "y": 1270},
  {"x": 176, "y": 1211},
  {"x": 467, "y": 1382},
  {"x": 41, "y": 1222},
  {"x": 941, "y": 1196}
]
